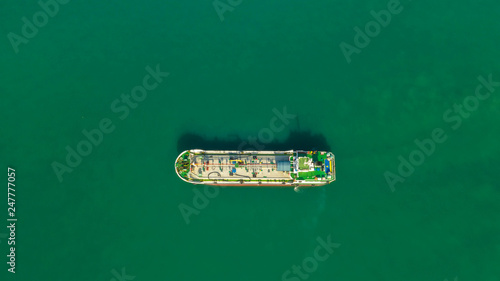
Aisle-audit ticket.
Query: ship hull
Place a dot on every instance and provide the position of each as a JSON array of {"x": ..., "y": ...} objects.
[
  {"x": 264, "y": 185},
  {"x": 278, "y": 169}
]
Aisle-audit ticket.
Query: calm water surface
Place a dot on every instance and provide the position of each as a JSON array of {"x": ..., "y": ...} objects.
[{"x": 92, "y": 123}]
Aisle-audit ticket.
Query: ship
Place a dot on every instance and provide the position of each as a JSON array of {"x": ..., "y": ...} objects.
[{"x": 291, "y": 168}]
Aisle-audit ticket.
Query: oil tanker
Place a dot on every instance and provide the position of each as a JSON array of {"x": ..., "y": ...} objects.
[{"x": 291, "y": 168}]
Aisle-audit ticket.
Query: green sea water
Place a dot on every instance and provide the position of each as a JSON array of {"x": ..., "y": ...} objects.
[{"x": 409, "y": 104}]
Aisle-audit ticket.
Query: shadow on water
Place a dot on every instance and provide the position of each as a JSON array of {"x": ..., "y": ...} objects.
[
  {"x": 253, "y": 213},
  {"x": 304, "y": 140}
]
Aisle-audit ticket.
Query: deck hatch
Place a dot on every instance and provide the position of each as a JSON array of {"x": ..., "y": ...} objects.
[{"x": 284, "y": 166}]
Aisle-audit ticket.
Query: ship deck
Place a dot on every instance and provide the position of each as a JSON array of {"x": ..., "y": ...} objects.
[
  {"x": 238, "y": 167},
  {"x": 221, "y": 167}
]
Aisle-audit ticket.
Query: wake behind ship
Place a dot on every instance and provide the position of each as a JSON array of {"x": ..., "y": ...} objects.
[{"x": 292, "y": 168}]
